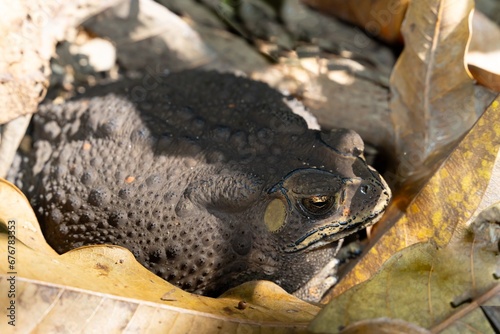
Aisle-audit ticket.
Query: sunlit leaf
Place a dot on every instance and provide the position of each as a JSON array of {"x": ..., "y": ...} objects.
[
  {"x": 50, "y": 308},
  {"x": 433, "y": 94},
  {"x": 446, "y": 203},
  {"x": 429, "y": 285},
  {"x": 17, "y": 217}
]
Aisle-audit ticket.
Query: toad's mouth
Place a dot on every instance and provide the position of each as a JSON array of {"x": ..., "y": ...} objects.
[
  {"x": 329, "y": 233},
  {"x": 333, "y": 231}
]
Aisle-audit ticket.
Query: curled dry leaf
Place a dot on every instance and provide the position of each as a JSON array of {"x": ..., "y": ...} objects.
[
  {"x": 107, "y": 274},
  {"x": 433, "y": 94},
  {"x": 381, "y": 18},
  {"x": 16, "y": 214},
  {"x": 484, "y": 52},
  {"x": 11, "y": 135},
  {"x": 443, "y": 208}
]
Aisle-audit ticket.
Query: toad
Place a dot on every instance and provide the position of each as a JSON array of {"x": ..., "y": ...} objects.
[{"x": 209, "y": 179}]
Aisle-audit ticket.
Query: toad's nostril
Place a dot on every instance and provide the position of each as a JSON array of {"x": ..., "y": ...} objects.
[{"x": 364, "y": 189}]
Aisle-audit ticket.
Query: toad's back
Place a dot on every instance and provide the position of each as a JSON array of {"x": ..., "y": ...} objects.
[{"x": 181, "y": 170}]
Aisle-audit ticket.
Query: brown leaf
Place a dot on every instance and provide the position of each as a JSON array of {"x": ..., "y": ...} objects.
[
  {"x": 488, "y": 77},
  {"x": 433, "y": 94},
  {"x": 442, "y": 209},
  {"x": 381, "y": 18}
]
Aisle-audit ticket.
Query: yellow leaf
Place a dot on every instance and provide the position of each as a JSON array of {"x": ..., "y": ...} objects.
[
  {"x": 17, "y": 216},
  {"x": 433, "y": 95},
  {"x": 431, "y": 286},
  {"x": 110, "y": 271},
  {"x": 382, "y": 326},
  {"x": 49, "y": 308},
  {"x": 446, "y": 203}
]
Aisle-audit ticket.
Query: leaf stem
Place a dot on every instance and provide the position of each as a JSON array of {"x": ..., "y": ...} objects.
[{"x": 462, "y": 312}]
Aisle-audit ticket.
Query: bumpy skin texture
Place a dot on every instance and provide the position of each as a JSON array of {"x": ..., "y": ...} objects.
[{"x": 209, "y": 179}]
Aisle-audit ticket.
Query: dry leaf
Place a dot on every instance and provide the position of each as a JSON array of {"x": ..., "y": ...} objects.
[
  {"x": 423, "y": 284},
  {"x": 112, "y": 271},
  {"x": 60, "y": 309},
  {"x": 433, "y": 94},
  {"x": 435, "y": 287},
  {"x": 442, "y": 209},
  {"x": 30, "y": 30},
  {"x": 15, "y": 210},
  {"x": 107, "y": 272},
  {"x": 483, "y": 57},
  {"x": 383, "y": 326},
  {"x": 381, "y": 18},
  {"x": 23, "y": 82},
  {"x": 11, "y": 135}
]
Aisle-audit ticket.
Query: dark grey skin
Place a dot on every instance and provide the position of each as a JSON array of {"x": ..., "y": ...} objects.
[{"x": 209, "y": 179}]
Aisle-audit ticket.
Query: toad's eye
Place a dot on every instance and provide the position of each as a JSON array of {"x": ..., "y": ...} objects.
[{"x": 317, "y": 205}]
